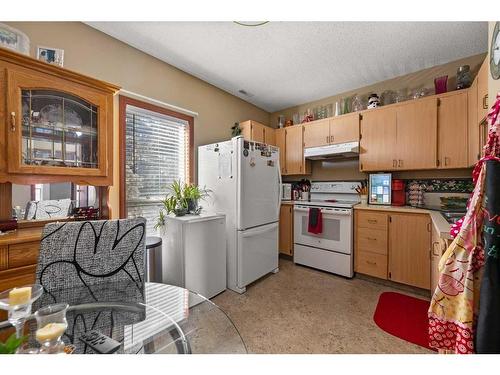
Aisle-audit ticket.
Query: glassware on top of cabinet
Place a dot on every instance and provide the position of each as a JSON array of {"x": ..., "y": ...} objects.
[
  {"x": 356, "y": 103},
  {"x": 281, "y": 121},
  {"x": 296, "y": 118},
  {"x": 337, "y": 108},
  {"x": 440, "y": 84},
  {"x": 388, "y": 97},
  {"x": 329, "y": 110},
  {"x": 464, "y": 77},
  {"x": 59, "y": 129}
]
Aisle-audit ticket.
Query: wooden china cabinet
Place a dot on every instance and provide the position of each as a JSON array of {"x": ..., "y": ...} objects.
[{"x": 56, "y": 126}]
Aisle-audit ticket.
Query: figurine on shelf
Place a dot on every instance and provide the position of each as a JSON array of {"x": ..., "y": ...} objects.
[{"x": 373, "y": 101}]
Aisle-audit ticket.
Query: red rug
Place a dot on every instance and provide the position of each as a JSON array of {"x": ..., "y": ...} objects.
[{"x": 404, "y": 317}]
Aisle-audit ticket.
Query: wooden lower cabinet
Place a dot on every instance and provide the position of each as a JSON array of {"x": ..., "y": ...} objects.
[
  {"x": 18, "y": 258},
  {"x": 286, "y": 229},
  {"x": 393, "y": 246},
  {"x": 409, "y": 254},
  {"x": 370, "y": 254},
  {"x": 438, "y": 248}
]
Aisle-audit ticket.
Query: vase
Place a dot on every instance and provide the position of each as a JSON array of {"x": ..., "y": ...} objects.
[
  {"x": 192, "y": 205},
  {"x": 441, "y": 84}
]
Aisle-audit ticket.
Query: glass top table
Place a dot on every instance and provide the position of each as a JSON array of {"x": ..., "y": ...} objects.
[{"x": 157, "y": 318}]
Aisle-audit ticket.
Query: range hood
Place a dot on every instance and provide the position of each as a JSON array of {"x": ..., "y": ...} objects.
[{"x": 338, "y": 151}]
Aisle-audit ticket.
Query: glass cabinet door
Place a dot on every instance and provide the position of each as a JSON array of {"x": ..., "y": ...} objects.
[{"x": 58, "y": 129}]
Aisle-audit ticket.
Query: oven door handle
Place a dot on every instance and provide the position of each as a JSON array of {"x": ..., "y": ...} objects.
[{"x": 326, "y": 211}]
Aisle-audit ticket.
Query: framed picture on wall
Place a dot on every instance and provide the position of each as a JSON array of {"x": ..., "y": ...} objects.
[
  {"x": 14, "y": 39},
  {"x": 50, "y": 55}
]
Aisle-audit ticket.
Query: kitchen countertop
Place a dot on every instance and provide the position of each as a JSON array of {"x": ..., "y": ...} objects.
[{"x": 438, "y": 220}]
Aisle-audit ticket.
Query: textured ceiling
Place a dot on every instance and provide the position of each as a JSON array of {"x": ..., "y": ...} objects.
[{"x": 282, "y": 64}]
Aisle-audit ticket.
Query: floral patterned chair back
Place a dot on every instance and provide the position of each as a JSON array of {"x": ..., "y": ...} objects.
[{"x": 83, "y": 254}]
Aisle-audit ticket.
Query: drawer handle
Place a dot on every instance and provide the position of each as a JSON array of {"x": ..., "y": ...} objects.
[
  {"x": 372, "y": 263},
  {"x": 434, "y": 244},
  {"x": 13, "y": 121},
  {"x": 371, "y": 238},
  {"x": 372, "y": 221}
]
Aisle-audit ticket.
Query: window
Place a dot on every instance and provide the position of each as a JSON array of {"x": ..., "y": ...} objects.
[{"x": 156, "y": 150}]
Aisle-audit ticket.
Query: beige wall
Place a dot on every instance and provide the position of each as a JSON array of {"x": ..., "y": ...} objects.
[
  {"x": 493, "y": 84},
  {"x": 324, "y": 171},
  {"x": 96, "y": 54}
]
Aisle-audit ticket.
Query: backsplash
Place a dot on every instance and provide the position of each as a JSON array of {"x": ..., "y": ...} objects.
[{"x": 464, "y": 185}]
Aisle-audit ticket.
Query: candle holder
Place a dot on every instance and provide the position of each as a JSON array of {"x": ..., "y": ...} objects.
[
  {"x": 51, "y": 325},
  {"x": 19, "y": 311}
]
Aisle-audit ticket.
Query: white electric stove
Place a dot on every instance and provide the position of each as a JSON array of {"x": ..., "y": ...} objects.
[{"x": 332, "y": 249}]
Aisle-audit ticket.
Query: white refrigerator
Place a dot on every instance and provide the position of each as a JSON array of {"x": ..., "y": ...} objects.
[{"x": 245, "y": 182}]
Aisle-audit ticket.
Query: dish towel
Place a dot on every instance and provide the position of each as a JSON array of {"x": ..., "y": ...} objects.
[
  {"x": 315, "y": 225},
  {"x": 459, "y": 320}
]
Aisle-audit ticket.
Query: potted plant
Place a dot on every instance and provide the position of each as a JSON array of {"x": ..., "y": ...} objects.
[
  {"x": 192, "y": 194},
  {"x": 182, "y": 199}
]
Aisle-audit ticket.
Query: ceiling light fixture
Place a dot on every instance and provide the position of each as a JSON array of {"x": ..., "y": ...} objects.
[{"x": 251, "y": 23}]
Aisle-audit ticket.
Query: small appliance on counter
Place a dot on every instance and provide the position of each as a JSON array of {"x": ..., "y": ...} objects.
[
  {"x": 286, "y": 191},
  {"x": 379, "y": 191},
  {"x": 398, "y": 193}
]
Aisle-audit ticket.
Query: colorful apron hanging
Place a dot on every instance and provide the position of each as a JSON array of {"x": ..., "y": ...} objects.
[{"x": 455, "y": 315}]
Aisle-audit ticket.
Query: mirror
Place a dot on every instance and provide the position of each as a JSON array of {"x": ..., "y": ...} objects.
[{"x": 54, "y": 201}]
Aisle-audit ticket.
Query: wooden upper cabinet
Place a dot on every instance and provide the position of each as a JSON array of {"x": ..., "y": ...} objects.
[
  {"x": 295, "y": 163},
  {"x": 378, "y": 140},
  {"x": 59, "y": 124},
  {"x": 258, "y": 132},
  {"x": 473, "y": 127},
  {"x": 409, "y": 249},
  {"x": 482, "y": 91},
  {"x": 340, "y": 129},
  {"x": 317, "y": 133},
  {"x": 269, "y": 136},
  {"x": 452, "y": 131},
  {"x": 56, "y": 127},
  {"x": 344, "y": 128},
  {"x": 255, "y": 131},
  {"x": 281, "y": 144},
  {"x": 417, "y": 134}
]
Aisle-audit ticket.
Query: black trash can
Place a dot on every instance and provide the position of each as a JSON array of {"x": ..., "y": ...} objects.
[{"x": 154, "y": 272}]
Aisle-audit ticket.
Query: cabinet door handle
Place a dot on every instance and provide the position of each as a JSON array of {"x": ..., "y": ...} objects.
[
  {"x": 371, "y": 238},
  {"x": 446, "y": 160},
  {"x": 372, "y": 221},
  {"x": 327, "y": 139},
  {"x": 485, "y": 101},
  {"x": 13, "y": 121},
  {"x": 331, "y": 138},
  {"x": 394, "y": 163},
  {"x": 372, "y": 263},
  {"x": 400, "y": 163},
  {"x": 434, "y": 244}
]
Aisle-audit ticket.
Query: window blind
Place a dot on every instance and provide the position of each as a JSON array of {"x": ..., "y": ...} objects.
[{"x": 157, "y": 153}]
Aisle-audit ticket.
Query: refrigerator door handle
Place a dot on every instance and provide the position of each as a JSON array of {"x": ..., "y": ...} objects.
[
  {"x": 280, "y": 187},
  {"x": 258, "y": 231}
]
